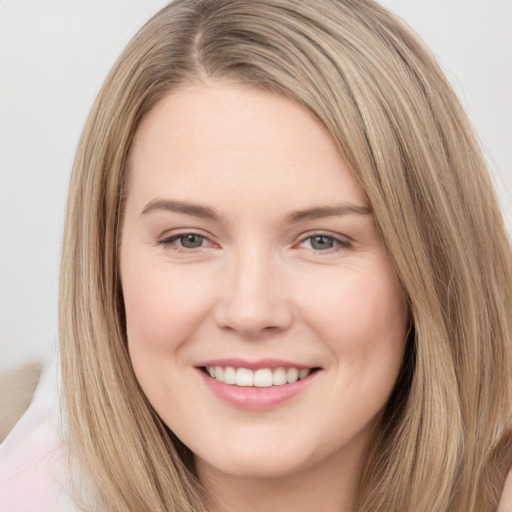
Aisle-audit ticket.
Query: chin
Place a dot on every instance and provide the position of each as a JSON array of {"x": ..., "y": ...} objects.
[
  {"x": 258, "y": 461},
  {"x": 259, "y": 468}
]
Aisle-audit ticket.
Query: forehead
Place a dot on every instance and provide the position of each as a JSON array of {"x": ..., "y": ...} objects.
[{"x": 224, "y": 137}]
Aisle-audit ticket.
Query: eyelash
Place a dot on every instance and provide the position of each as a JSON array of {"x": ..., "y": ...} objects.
[
  {"x": 169, "y": 242},
  {"x": 341, "y": 244}
]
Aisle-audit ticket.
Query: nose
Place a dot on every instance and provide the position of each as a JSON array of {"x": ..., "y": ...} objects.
[{"x": 254, "y": 296}]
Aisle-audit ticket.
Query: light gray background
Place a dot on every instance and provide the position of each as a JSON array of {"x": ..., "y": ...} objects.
[{"x": 54, "y": 55}]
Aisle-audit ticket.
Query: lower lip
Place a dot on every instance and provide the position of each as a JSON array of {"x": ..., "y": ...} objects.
[{"x": 255, "y": 398}]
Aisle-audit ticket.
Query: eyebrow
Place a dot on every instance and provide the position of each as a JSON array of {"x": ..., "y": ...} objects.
[
  {"x": 205, "y": 212},
  {"x": 187, "y": 208},
  {"x": 326, "y": 211}
]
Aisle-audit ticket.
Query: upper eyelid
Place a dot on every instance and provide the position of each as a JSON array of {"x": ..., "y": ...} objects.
[
  {"x": 341, "y": 245},
  {"x": 329, "y": 234},
  {"x": 167, "y": 241},
  {"x": 170, "y": 243},
  {"x": 168, "y": 234}
]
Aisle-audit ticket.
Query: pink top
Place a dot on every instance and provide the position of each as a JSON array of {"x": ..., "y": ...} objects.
[{"x": 32, "y": 463}]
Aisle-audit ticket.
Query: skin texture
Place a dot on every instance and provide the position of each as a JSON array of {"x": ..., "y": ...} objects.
[
  {"x": 506, "y": 498},
  {"x": 258, "y": 286}
]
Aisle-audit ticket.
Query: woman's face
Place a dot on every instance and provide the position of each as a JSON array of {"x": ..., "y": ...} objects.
[{"x": 249, "y": 251}]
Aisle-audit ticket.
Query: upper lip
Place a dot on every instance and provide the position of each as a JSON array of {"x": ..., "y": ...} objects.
[{"x": 254, "y": 365}]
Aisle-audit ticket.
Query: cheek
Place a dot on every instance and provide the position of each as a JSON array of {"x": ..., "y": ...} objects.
[
  {"x": 162, "y": 304},
  {"x": 362, "y": 317},
  {"x": 363, "y": 322},
  {"x": 161, "y": 312}
]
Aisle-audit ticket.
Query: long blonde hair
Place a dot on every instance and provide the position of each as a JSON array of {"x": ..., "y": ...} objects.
[{"x": 445, "y": 443}]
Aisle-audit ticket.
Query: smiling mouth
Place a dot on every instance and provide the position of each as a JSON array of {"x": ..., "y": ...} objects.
[{"x": 260, "y": 378}]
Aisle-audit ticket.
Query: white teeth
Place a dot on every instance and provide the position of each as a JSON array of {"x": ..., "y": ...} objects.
[
  {"x": 244, "y": 377},
  {"x": 279, "y": 377},
  {"x": 304, "y": 373},
  {"x": 261, "y": 378},
  {"x": 229, "y": 375},
  {"x": 292, "y": 375}
]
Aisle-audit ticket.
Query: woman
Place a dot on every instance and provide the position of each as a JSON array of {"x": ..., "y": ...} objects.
[{"x": 285, "y": 279}]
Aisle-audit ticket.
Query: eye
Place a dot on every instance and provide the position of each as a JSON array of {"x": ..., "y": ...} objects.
[
  {"x": 186, "y": 241},
  {"x": 321, "y": 242},
  {"x": 191, "y": 240},
  {"x": 324, "y": 242}
]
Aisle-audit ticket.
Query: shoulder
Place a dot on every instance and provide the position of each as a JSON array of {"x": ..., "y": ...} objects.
[
  {"x": 506, "y": 497},
  {"x": 32, "y": 462},
  {"x": 29, "y": 481}
]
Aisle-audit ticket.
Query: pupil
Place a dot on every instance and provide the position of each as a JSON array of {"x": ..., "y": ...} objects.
[
  {"x": 322, "y": 242},
  {"x": 191, "y": 241}
]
